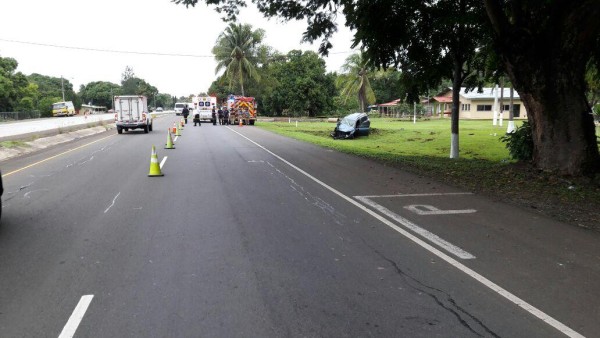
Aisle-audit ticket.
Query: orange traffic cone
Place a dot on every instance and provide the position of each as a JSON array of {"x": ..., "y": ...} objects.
[
  {"x": 154, "y": 166},
  {"x": 241, "y": 123},
  {"x": 174, "y": 128}
]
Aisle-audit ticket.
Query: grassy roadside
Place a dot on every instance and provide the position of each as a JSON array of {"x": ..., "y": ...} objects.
[{"x": 484, "y": 167}]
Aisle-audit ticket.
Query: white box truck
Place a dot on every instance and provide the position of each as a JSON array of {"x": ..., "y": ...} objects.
[{"x": 131, "y": 112}]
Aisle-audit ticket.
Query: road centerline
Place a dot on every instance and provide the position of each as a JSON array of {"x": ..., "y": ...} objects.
[
  {"x": 76, "y": 317},
  {"x": 53, "y": 157}
]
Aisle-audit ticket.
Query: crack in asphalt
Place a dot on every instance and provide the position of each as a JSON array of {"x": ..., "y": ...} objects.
[{"x": 455, "y": 309}]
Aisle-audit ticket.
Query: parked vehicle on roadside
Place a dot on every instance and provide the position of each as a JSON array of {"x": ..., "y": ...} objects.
[
  {"x": 131, "y": 112},
  {"x": 242, "y": 107},
  {"x": 203, "y": 105},
  {"x": 63, "y": 108}
]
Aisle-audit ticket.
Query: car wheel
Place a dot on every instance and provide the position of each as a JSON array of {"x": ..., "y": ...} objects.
[
  {"x": 150, "y": 128},
  {"x": 146, "y": 129}
]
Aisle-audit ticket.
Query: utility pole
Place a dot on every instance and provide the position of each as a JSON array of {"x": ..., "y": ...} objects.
[{"x": 62, "y": 85}]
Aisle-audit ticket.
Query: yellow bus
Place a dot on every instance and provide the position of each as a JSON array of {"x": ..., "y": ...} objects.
[{"x": 63, "y": 108}]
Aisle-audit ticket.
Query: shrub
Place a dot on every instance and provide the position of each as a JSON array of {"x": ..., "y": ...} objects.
[{"x": 520, "y": 143}]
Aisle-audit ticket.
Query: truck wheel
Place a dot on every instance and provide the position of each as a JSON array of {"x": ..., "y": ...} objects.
[
  {"x": 146, "y": 129},
  {"x": 251, "y": 122},
  {"x": 150, "y": 128},
  {"x": 119, "y": 130}
]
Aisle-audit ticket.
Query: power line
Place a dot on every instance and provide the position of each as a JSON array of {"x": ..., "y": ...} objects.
[
  {"x": 123, "y": 51},
  {"x": 105, "y": 50}
]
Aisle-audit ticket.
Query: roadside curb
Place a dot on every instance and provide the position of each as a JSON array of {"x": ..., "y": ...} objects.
[{"x": 45, "y": 142}]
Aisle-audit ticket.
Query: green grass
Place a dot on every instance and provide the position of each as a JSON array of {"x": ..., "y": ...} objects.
[
  {"x": 394, "y": 140},
  {"x": 484, "y": 165},
  {"x": 12, "y": 144}
]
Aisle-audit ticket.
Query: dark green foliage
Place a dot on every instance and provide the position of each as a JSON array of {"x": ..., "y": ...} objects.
[
  {"x": 520, "y": 143},
  {"x": 13, "y": 85},
  {"x": 387, "y": 86},
  {"x": 302, "y": 88},
  {"x": 99, "y": 93}
]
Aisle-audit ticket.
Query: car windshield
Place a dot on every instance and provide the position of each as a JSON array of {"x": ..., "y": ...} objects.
[{"x": 58, "y": 105}]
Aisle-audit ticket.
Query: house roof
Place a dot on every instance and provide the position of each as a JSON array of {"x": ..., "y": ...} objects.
[
  {"x": 391, "y": 103},
  {"x": 488, "y": 93},
  {"x": 443, "y": 99}
]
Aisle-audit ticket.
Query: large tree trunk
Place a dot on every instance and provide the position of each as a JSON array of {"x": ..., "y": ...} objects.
[
  {"x": 545, "y": 50},
  {"x": 552, "y": 88},
  {"x": 563, "y": 129}
]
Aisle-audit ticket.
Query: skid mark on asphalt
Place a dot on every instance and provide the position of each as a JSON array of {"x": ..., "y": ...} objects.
[{"x": 338, "y": 218}]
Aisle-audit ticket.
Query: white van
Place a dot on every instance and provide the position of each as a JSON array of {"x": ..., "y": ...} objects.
[{"x": 179, "y": 107}]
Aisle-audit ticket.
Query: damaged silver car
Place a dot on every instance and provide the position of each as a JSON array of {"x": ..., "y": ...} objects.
[{"x": 351, "y": 126}]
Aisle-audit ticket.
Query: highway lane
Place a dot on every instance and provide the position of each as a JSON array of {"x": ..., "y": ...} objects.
[{"x": 230, "y": 242}]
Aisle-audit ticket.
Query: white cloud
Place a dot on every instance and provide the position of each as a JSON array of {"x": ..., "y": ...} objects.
[{"x": 147, "y": 26}]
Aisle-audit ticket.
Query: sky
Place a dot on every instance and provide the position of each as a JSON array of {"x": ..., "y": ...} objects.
[{"x": 140, "y": 26}]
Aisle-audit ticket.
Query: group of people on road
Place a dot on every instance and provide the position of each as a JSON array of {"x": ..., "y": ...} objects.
[{"x": 221, "y": 114}]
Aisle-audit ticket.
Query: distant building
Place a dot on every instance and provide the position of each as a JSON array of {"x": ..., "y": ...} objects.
[{"x": 478, "y": 105}]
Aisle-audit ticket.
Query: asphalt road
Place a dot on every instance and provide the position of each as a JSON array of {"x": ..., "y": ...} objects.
[{"x": 249, "y": 234}]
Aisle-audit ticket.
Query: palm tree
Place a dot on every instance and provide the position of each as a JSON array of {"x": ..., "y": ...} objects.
[
  {"x": 355, "y": 81},
  {"x": 235, "y": 52}
]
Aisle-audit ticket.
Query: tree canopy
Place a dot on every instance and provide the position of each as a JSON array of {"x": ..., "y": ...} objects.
[
  {"x": 358, "y": 69},
  {"x": 12, "y": 84},
  {"x": 302, "y": 86},
  {"x": 544, "y": 48},
  {"x": 99, "y": 93},
  {"x": 236, "y": 52}
]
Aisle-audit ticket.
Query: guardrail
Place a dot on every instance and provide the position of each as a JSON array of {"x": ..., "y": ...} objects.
[{"x": 12, "y": 116}]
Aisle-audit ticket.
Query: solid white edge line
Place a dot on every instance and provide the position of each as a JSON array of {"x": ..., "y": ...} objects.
[
  {"x": 163, "y": 162},
  {"x": 422, "y": 195},
  {"x": 76, "y": 317},
  {"x": 451, "y": 248},
  {"x": 491, "y": 285}
]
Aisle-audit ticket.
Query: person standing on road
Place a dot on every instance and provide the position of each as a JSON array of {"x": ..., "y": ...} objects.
[
  {"x": 185, "y": 112},
  {"x": 214, "y": 116},
  {"x": 226, "y": 116},
  {"x": 197, "y": 119},
  {"x": 220, "y": 114}
]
